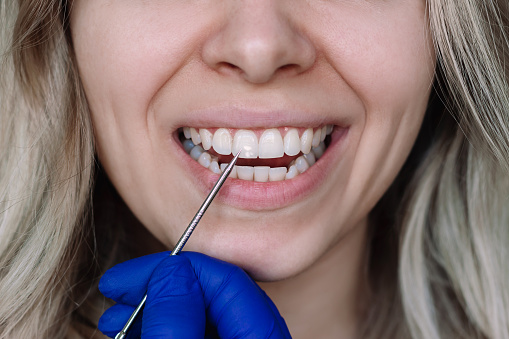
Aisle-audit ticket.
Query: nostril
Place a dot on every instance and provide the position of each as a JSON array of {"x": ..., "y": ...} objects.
[{"x": 228, "y": 68}]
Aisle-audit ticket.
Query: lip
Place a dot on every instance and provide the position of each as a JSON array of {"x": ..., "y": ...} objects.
[
  {"x": 239, "y": 117},
  {"x": 256, "y": 196}
]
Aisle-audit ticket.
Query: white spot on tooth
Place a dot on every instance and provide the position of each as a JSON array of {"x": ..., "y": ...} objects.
[{"x": 248, "y": 142}]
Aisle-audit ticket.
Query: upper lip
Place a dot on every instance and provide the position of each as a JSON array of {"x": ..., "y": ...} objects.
[{"x": 242, "y": 118}]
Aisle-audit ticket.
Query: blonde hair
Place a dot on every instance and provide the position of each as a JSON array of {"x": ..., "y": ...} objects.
[
  {"x": 46, "y": 168},
  {"x": 447, "y": 280}
]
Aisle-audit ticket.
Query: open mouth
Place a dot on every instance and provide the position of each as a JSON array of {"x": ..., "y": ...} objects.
[{"x": 274, "y": 154}]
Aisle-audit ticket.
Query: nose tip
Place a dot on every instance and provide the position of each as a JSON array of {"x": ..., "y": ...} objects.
[
  {"x": 259, "y": 43},
  {"x": 258, "y": 61}
]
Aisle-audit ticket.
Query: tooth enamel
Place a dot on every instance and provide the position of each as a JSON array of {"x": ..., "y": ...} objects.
[
  {"x": 310, "y": 158},
  {"x": 277, "y": 173},
  {"x": 233, "y": 173},
  {"x": 245, "y": 172},
  {"x": 301, "y": 164},
  {"x": 316, "y": 137},
  {"x": 292, "y": 172},
  {"x": 205, "y": 159},
  {"x": 188, "y": 145},
  {"x": 292, "y": 142},
  {"x": 261, "y": 173},
  {"x": 319, "y": 150},
  {"x": 306, "y": 140},
  {"x": 222, "y": 141},
  {"x": 248, "y": 142},
  {"x": 271, "y": 144},
  {"x": 214, "y": 167},
  {"x": 195, "y": 136},
  {"x": 196, "y": 152},
  {"x": 206, "y": 138}
]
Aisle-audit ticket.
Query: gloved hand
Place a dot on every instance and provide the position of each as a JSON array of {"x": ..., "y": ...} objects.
[{"x": 185, "y": 294}]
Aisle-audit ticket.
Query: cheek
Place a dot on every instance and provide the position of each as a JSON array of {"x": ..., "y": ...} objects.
[
  {"x": 127, "y": 51},
  {"x": 390, "y": 69},
  {"x": 385, "y": 55}
]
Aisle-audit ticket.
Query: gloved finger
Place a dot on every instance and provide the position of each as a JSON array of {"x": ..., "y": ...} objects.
[
  {"x": 126, "y": 283},
  {"x": 175, "y": 306},
  {"x": 277, "y": 315},
  {"x": 113, "y": 320},
  {"x": 236, "y": 306}
]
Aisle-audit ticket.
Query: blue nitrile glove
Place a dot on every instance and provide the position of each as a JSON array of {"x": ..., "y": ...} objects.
[{"x": 185, "y": 293}]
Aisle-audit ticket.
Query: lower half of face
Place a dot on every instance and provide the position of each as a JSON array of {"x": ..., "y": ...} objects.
[{"x": 323, "y": 99}]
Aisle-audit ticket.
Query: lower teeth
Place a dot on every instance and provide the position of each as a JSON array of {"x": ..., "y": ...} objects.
[{"x": 255, "y": 173}]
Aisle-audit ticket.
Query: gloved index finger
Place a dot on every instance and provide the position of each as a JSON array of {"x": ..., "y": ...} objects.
[{"x": 127, "y": 282}]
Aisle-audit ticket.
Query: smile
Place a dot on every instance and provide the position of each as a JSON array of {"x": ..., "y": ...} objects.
[{"x": 274, "y": 154}]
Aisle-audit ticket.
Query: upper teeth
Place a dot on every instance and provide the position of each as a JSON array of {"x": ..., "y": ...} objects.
[{"x": 269, "y": 145}]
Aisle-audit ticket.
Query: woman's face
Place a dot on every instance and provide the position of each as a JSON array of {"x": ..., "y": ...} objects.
[{"x": 262, "y": 73}]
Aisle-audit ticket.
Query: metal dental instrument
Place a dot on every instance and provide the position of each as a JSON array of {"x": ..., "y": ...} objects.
[{"x": 185, "y": 236}]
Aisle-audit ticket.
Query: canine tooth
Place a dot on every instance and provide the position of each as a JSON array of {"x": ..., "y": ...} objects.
[
  {"x": 196, "y": 152},
  {"x": 292, "y": 172},
  {"x": 301, "y": 164},
  {"x": 188, "y": 145},
  {"x": 324, "y": 133},
  {"x": 222, "y": 141},
  {"x": 261, "y": 173},
  {"x": 316, "y": 137},
  {"x": 292, "y": 142},
  {"x": 310, "y": 158},
  {"x": 205, "y": 159},
  {"x": 206, "y": 138},
  {"x": 306, "y": 140},
  {"x": 233, "y": 173},
  {"x": 319, "y": 150},
  {"x": 214, "y": 167},
  {"x": 271, "y": 144},
  {"x": 195, "y": 136},
  {"x": 248, "y": 142},
  {"x": 329, "y": 129},
  {"x": 187, "y": 132},
  {"x": 277, "y": 173},
  {"x": 245, "y": 172}
]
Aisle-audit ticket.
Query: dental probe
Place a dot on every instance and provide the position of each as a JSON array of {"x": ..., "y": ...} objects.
[{"x": 185, "y": 236}]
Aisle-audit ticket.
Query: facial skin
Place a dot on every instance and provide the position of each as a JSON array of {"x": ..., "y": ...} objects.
[{"x": 151, "y": 67}]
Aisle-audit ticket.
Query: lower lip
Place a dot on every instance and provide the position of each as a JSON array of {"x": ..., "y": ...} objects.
[{"x": 265, "y": 196}]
